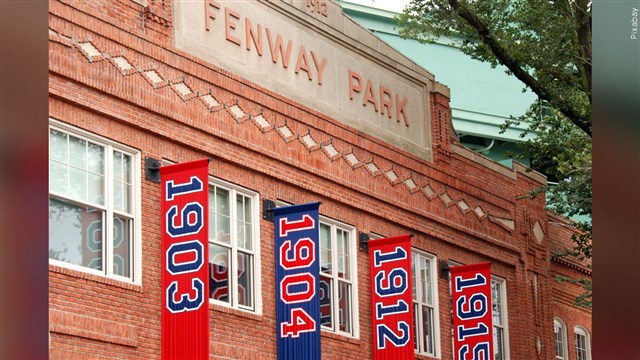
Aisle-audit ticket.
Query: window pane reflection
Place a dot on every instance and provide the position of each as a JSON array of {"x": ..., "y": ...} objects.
[
  {"x": 344, "y": 306},
  {"x": 427, "y": 316},
  {"x": 219, "y": 273},
  {"x": 75, "y": 234},
  {"x": 122, "y": 246},
  {"x": 325, "y": 302},
  {"x": 245, "y": 276},
  {"x": 325, "y": 248}
]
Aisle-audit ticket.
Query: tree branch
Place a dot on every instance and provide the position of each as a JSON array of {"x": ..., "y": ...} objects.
[
  {"x": 503, "y": 57},
  {"x": 583, "y": 23}
]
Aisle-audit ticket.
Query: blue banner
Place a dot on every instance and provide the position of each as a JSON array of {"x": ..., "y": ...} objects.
[{"x": 297, "y": 281}]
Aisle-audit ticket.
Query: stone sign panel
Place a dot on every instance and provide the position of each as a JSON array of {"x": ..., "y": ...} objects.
[{"x": 310, "y": 52}]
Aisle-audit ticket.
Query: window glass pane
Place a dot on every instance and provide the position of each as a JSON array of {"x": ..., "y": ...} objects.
[
  {"x": 344, "y": 306},
  {"x": 75, "y": 234},
  {"x": 240, "y": 234},
  {"x": 58, "y": 146},
  {"x": 424, "y": 281},
  {"x": 117, "y": 195},
  {"x": 427, "y": 341},
  {"x": 243, "y": 222},
  {"x": 219, "y": 273},
  {"x": 117, "y": 166},
  {"x": 224, "y": 229},
  {"x": 222, "y": 202},
  {"x": 77, "y": 183},
  {"x": 95, "y": 159},
  {"x": 325, "y": 301},
  {"x": 121, "y": 182},
  {"x": 416, "y": 314},
  {"x": 77, "y": 152},
  {"x": 325, "y": 248},
  {"x": 223, "y": 222},
  {"x": 414, "y": 283},
  {"x": 496, "y": 302},
  {"x": 121, "y": 246},
  {"x": 247, "y": 210},
  {"x": 340, "y": 241},
  {"x": 239, "y": 207},
  {"x": 58, "y": 178},
  {"x": 497, "y": 343},
  {"x": 245, "y": 279},
  {"x": 96, "y": 189},
  {"x": 127, "y": 171},
  {"x": 126, "y": 198},
  {"x": 581, "y": 347},
  {"x": 248, "y": 218},
  {"x": 212, "y": 213},
  {"x": 559, "y": 337},
  {"x": 248, "y": 234},
  {"x": 341, "y": 265},
  {"x": 343, "y": 254},
  {"x": 344, "y": 271}
]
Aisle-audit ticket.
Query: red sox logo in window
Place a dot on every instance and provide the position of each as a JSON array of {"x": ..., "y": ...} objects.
[
  {"x": 92, "y": 252},
  {"x": 325, "y": 304},
  {"x": 219, "y": 279}
]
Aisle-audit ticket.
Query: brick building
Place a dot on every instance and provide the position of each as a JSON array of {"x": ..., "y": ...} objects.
[{"x": 294, "y": 103}]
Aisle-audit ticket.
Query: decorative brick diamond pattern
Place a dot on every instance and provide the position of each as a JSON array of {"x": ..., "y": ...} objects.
[
  {"x": 331, "y": 151},
  {"x": 411, "y": 185},
  {"x": 352, "y": 159},
  {"x": 538, "y": 233},
  {"x": 236, "y": 111},
  {"x": 183, "y": 90},
  {"x": 392, "y": 176},
  {"x": 308, "y": 141},
  {"x": 123, "y": 64},
  {"x": 463, "y": 206},
  {"x": 429, "y": 192},
  {"x": 446, "y": 199},
  {"x": 373, "y": 168},
  {"x": 261, "y": 122},
  {"x": 89, "y": 51},
  {"x": 285, "y": 132},
  {"x": 153, "y": 77},
  {"x": 210, "y": 103}
]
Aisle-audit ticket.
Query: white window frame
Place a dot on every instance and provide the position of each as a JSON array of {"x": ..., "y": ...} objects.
[
  {"x": 136, "y": 233},
  {"x": 582, "y": 331},
  {"x": 434, "y": 306},
  {"x": 235, "y": 190},
  {"x": 505, "y": 316},
  {"x": 561, "y": 328},
  {"x": 351, "y": 231}
]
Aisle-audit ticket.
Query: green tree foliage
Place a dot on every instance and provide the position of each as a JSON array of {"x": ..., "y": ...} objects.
[{"x": 546, "y": 44}]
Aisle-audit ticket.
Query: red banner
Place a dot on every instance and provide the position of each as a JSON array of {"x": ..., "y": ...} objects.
[
  {"x": 185, "y": 255},
  {"x": 472, "y": 321},
  {"x": 391, "y": 300}
]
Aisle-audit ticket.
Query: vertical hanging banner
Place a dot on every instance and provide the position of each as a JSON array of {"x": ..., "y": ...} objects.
[
  {"x": 471, "y": 302},
  {"x": 391, "y": 298},
  {"x": 297, "y": 281},
  {"x": 185, "y": 249}
]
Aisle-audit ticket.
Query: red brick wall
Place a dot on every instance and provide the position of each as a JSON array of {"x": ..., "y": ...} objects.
[
  {"x": 94, "y": 317},
  {"x": 565, "y": 292}
]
